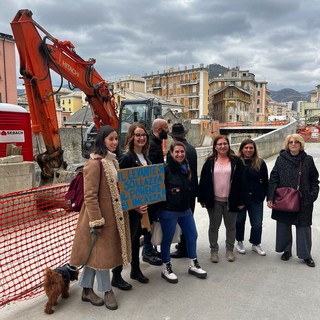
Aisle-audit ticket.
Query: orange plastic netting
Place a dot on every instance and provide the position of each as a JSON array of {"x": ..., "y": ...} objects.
[{"x": 36, "y": 231}]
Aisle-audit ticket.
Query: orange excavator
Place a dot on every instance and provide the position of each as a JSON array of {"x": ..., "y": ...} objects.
[{"x": 40, "y": 53}]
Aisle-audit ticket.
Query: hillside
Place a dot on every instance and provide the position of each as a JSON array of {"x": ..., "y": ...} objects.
[
  {"x": 287, "y": 94},
  {"x": 215, "y": 70}
]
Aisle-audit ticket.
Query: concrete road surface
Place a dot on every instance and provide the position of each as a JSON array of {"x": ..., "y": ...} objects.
[{"x": 252, "y": 287}]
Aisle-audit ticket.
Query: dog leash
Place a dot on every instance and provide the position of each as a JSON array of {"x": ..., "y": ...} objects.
[{"x": 94, "y": 233}]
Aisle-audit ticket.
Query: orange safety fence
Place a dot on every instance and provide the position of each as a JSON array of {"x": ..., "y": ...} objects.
[{"x": 36, "y": 231}]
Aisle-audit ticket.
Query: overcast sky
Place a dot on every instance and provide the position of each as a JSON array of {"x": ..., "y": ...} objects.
[{"x": 277, "y": 40}]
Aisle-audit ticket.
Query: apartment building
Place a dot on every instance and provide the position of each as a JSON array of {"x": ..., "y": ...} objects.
[
  {"x": 187, "y": 87},
  {"x": 277, "y": 110},
  {"x": 8, "y": 77},
  {"x": 261, "y": 101},
  {"x": 129, "y": 82},
  {"x": 236, "y": 96}
]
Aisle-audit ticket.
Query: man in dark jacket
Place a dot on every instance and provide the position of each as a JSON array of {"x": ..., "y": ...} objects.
[
  {"x": 159, "y": 133},
  {"x": 178, "y": 133}
]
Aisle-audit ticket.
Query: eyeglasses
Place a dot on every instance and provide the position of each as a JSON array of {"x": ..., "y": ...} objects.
[
  {"x": 294, "y": 142},
  {"x": 222, "y": 144},
  {"x": 139, "y": 135}
]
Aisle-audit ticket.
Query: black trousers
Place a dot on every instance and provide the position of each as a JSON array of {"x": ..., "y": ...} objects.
[
  {"x": 303, "y": 237},
  {"x": 135, "y": 231}
]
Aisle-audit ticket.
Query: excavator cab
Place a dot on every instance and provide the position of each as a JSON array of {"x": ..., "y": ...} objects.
[
  {"x": 132, "y": 110},
  {"x": 143, "y": 111}
]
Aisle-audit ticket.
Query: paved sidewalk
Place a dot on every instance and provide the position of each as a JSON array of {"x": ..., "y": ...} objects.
[{"x": 252, "y": 287}]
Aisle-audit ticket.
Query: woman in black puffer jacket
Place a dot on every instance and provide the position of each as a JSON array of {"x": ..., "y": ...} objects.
[
  {"x": 285, "y": 174},
  {"x": 176, "y": 209}
]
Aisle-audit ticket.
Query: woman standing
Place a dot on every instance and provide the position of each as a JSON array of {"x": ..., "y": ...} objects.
[
  {"x": 221, "y": 191},
  {"x": 101, "y": 239},
  {"x": 256, "y": 177},
  {"x": 176, "y": 209},
  {"x": 137, "y": 144},
  {"x": 285, "y": 174}
]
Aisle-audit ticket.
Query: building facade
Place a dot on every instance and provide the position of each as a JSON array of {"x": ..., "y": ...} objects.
[
  {"x": 261, "y": 101},
  {"x": 236, "y": 96},
  {"x": 187, "y": 87},
  {"x": 8, "y": 77}
]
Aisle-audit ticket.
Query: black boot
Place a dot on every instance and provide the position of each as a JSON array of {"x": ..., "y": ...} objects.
[
  {"x": 118, "y": 281},
  {"x": 181, "y": 249},
  {"x": 136, "y": 274}
]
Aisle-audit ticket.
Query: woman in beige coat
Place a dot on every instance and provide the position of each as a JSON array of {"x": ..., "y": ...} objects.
[{"x": 102, "y": 237}]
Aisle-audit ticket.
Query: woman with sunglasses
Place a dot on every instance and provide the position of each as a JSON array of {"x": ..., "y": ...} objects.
[
  {"x": 221, "y": 191},
  {"x": 285, "y": 174}
]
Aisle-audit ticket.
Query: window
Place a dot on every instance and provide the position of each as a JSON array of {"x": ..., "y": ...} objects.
[
  {"x": 69, "y": 101},
  {"x": 233, "y": 74},
  {"x": 258, "y": 110},
  {"x": 258, "y": 101},
  {"x": 62, "y": 101},
  {"x": 258, "y": 93}
]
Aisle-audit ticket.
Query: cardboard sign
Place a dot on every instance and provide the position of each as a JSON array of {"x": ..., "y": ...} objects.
[{"x": 141, "y": 185}]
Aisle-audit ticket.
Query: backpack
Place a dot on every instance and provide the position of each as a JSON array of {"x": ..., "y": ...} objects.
[{"x": 75, "y": 192}]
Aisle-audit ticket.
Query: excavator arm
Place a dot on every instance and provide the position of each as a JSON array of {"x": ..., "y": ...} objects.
[{"x": 40, "y": 53}]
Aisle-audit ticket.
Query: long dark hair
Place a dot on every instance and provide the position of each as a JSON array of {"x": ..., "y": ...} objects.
[
  {"x": 99, "y": 144},
  {"x": 129, "y": 144},
  {"x": 256, "y": 161}
]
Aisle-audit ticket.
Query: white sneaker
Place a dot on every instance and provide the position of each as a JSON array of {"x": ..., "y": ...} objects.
[
  {"x": 258, "y": 250},
  {"x": 240, "y": 247},
  {"x": 168, "y": 275},
  {"x": 196, "y": 270}
]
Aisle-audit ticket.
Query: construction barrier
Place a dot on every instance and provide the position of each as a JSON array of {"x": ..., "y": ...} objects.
[{"x": 36, "y": 231}]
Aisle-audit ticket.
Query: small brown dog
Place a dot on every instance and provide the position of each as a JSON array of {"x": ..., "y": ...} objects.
[{"x": 56, "y": 283}]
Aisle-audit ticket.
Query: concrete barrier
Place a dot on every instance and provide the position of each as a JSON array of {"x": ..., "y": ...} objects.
[{"x": 268, "y": 144}]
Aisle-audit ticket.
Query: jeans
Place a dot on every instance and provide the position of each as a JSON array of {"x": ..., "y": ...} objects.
[
  {"x": 215, "y": 218},
  {"x": 103, "y": 279},
  {"x": 255, "y": 212},
  {"x": 188, "y": 227}
]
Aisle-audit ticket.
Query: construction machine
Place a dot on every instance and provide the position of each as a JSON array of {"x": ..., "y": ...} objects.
[{"x": 40, "y": 53}]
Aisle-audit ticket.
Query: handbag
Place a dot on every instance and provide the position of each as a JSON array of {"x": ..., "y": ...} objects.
[
  {"x": 287, "y": 198},
  {"x": 156, "y": 237}
]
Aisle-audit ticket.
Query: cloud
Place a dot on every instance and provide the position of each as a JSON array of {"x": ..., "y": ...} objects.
[{"x": 276, "y": 40}]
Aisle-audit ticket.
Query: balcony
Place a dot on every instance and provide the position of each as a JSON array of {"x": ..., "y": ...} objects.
[
  {"x": 188, "y": 82},
  {"x": 156, "y": 85}
]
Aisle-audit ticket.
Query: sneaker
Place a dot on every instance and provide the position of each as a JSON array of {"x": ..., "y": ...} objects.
[
  {"x": 196, "y": 270},
  {"x": 240, "y": 247},
  {"x": 258, "y": 250},
  {"x": 168, "y": 275},
  {"x": 230, "y": 256},
  {"x": 214, "y": 256}
]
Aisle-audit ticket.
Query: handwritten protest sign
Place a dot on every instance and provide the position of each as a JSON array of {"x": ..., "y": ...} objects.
[{"x": 141, "y": 185}]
